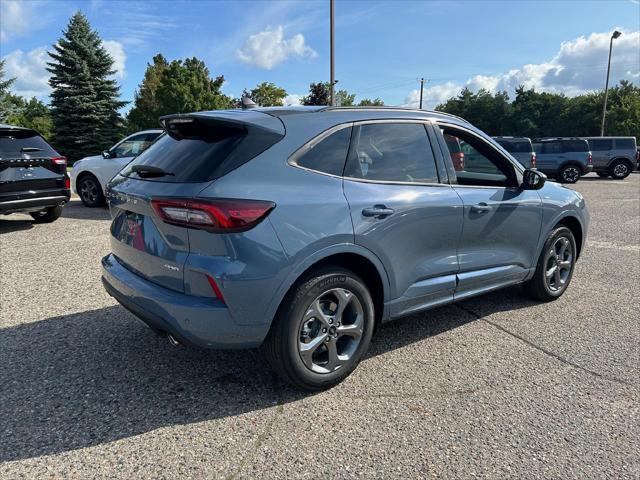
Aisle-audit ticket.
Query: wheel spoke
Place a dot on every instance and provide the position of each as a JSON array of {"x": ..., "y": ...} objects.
[
  {"x": 551, "y": 272},
  {"x": 557, "y": 278},
  {"x": 564, "y": 243},
  {"x": 343, "y": 297},
  {"x": 565, "y": 264},
  {"x": 334, "y": 360},
  {"x": 307, "y": 349},
  {"x": 354, "y": 330},
  {"x": 315, "y": 311}
]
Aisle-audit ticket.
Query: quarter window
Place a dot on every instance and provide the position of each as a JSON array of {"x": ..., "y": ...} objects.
[
  {"x": 600, "y": 145},
  {"x": 625, "y": 143},
  {"x": 391, "y": 152},
  {"x": 329, "y": 154}
]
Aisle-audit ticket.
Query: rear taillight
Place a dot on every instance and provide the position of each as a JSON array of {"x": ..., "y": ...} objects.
[
  {"x": 533, "y": 160},
  {"x": 67, "y": 182},
  {"x": 590, "y": 159},
  {"x": 216, "y": 215},
  {"x": 215, "y": 288},
  {"x": 59, "y": 161}
]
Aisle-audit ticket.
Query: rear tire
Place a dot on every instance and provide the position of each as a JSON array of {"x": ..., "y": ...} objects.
[
  {"x": 620, "y": 169},
  {"x": 48, "y": 215},
  {"x": 90, "y": 191},
  {"x": 570, "y": 174},
  {"x": 555, "y": 266},
  {"x": 322, "y": 329}
]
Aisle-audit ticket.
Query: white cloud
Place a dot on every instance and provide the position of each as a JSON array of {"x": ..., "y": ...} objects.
[
  {"x": 14, "y": 18},
  {"x": 116, "y": 50},
  {"x": 579, "y": 66},
  {"x": 29, "y": 70},
  {"x": 269, "y": 48},
  {"x": 292, "y": 99}
]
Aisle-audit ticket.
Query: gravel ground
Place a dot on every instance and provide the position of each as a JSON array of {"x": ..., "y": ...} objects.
[{"x": 497, "y": 386}]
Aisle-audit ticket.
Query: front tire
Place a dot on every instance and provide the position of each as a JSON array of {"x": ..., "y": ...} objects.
[
  {"x": 322, "y": 329},
  {"x": 555, "y": 266},
  {"x": 48, "y": 215},
  {"x": 620, "y": 169},
  {"x": 90, "y": 191},
  {"x": 570, "y": 174}
]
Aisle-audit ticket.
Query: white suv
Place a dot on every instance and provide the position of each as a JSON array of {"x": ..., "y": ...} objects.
[{"x": 90, "y": 175}]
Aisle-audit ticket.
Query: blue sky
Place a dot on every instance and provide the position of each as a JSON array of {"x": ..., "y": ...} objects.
[{"x": 381, "y": 47}]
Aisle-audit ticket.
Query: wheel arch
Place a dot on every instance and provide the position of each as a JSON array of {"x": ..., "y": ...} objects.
[
  {"x": 83, "y": 174},
  {"x": 573, "y": 224}
]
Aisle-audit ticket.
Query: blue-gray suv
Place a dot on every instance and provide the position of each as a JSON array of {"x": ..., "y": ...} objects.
[{"x": 302, "y": 229}]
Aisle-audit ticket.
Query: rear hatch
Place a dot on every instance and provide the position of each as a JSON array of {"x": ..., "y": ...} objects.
[
  {"x": 146, "y": 199},
  {"x": 28, "y": 163}
]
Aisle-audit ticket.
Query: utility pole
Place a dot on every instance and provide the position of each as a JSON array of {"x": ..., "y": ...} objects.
[
  {"x": 421, "y": 89},
  {"x": 614, "y": 35},
  {"x": 333, "y": 78}
]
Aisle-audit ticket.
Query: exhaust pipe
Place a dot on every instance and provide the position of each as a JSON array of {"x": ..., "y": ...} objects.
[{"x": 172, "y": 340}]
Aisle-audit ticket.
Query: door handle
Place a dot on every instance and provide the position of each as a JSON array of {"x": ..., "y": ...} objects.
[
  {"x": 481, "y": 208},
  {"x": 377, "y": 211}
]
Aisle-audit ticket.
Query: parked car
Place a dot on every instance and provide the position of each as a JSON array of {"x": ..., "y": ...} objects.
[
  {"x": 520, "y": 148},
  {"x": 33, "y": 176},
  {"x": 90, "y": 175},
  {"x": 301, "y": 229},
  {"x": 613, "y": 156},
  {"x": 455, "y": 150},
  {"x": 565, "y": 159}
]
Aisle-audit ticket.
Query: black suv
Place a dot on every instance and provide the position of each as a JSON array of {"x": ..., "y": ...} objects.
[{"x": 33, "y": 176}]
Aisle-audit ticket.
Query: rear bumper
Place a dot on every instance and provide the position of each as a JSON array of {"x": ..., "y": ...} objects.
[
  {"x": 200, "y": 321},
  {"x": 32, "y": 201}
]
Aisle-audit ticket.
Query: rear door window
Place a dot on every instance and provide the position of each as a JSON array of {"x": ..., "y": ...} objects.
[
  {"x": 391, "y": 152},
  {"x": 575, "y": 145},
  {"x": 327, "y": 155},
  {"x": 600, "y": 144},
  {"x": 552, "y": 147},
  {"x": 515, "y": 146}
]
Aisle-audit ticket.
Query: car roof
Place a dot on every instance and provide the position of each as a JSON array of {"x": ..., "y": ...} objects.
[{"x": 5, "y": 126}]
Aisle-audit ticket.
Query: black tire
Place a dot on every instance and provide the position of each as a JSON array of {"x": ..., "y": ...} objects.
[
  {"x": 48, "y": 215},
  {"x": 541, "y": 286},
  {"x": 603, "y": 174},
  {"x": 295, "y": 321},
  {"x": 90, "y": 191},
  {"x": 570, "y": 174},
  {"x": 620, "y": 169}
]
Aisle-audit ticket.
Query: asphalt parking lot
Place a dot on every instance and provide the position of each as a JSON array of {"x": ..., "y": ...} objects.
[{"x": 497, "y": 386}]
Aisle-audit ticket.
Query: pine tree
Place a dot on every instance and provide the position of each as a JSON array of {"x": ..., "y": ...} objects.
[{"x": 84, "y": 99}]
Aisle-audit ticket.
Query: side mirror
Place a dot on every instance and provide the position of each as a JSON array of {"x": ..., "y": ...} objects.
[
  {"x": 106, "y": 154},
  {"x": 533, "y": 179}
]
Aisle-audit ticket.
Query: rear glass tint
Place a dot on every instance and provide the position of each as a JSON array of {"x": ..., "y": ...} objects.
[
  {"x": 329, "y": 154},
  {"x": 600, "y": 144},
  {"x": 201, "y": 152},
  {"x": 575, "y": 145},
  {"x": 515, "y": 146},
  {"x": 625, "y": 143},
  {"x": 12, "y": 143}
]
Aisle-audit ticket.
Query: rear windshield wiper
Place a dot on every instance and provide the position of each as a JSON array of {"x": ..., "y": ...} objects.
[
  {"x": 147, "y": 171},
  {"x": 30, "y": 149}
]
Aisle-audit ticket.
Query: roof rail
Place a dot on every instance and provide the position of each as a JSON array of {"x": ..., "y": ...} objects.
[{"x": 390, "y": 108}]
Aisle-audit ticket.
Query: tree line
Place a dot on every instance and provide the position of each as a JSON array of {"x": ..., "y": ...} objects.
[{"x": 84, "y": 117}]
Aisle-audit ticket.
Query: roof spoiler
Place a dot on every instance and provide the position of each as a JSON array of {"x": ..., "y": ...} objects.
[{"x": 241, "y": 120}]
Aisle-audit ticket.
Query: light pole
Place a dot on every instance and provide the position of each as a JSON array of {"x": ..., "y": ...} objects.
[
  {"x": 614, "y": 35},
  {"x": 333, "y": 80}
]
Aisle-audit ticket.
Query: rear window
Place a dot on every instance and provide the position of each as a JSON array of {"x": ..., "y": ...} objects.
[
  {"x": 200, "y": 152},
  {"x": 575, "y": 145},
  {"x": 515, "y": 146},
  {"x": 600, "y": 144},
  {"x": 12, "y": 144},
  {"x": 329, "y": 154},
  {"x": 625, "y": 143}
]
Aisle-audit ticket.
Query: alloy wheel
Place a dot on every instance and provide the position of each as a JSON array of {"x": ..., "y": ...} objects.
[
  {"x": 571, "y": 174},
  {"x": 331, "y": 330},
  {"x": 558, "y": 264},
  {"x": 89, "y": 191},
  {"x": 620, "y": 170}
]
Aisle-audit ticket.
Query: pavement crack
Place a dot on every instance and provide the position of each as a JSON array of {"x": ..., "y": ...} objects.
[
  {"x": 262, "y": 436},
  {"x": 528, "y": 342}
]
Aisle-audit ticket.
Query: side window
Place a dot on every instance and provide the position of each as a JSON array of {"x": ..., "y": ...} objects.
[
  {"x": 131, "y": 147},
  {"x": 483, "y": 165},
  {"x": 600, "y": 145},
  {"x": 575, "y": 146},
  {"x": 625, "y": 144},
  {"x": 552, "y": 147},
  {"x": 329, "y": 154},
  {"x": 393, "y": 152}
]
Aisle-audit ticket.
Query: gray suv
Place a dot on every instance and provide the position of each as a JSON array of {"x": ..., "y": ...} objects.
[
  {"x": 565, "y": 159},
  {"x": 520, "y": 148},
  {"x": 300, "y": 229},
  {"x": 613, "y": 156}
]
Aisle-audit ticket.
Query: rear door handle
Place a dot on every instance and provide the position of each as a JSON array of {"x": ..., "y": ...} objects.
[
  {"x": 481, "y": 208},
  {"x": 377, "y": 211}
]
